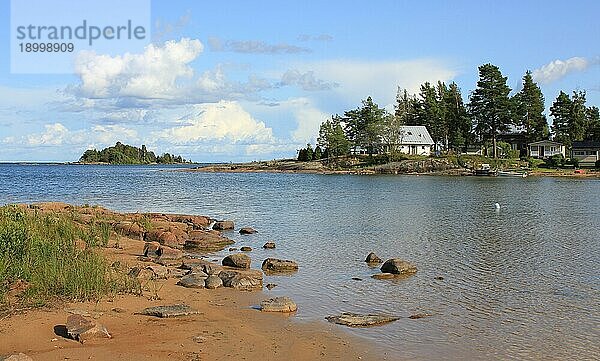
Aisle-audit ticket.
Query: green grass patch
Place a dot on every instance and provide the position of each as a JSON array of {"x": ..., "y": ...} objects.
[{"x": 56, "y": 256}]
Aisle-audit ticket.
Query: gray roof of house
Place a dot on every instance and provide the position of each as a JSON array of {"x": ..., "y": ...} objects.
[
  {"x": 416, "y": 134},
  {"x": 545, "y": 142}
]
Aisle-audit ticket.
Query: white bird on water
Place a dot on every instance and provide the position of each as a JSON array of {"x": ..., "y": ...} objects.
[{"x": 497, "y": 205}]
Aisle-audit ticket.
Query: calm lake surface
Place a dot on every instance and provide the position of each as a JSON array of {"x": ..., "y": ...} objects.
[{"x": 519, "y": 283}]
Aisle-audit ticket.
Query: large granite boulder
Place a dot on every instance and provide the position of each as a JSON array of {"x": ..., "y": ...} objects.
[
  {"x": 237, "y": 260},
  {"x": 206, "y": 241},
  {"x": 242, "y": 279},
  {"x": 274, "y": 265}
]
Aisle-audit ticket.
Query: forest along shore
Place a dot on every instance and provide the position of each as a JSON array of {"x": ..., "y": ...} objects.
[{"x": 93, "y": 283}]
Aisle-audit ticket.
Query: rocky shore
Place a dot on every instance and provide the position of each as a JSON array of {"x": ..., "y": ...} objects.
[{"x": 181, "y": 307}]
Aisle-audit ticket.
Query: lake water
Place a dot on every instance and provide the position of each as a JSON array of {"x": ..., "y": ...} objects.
[{"x": 519, "y": 283}]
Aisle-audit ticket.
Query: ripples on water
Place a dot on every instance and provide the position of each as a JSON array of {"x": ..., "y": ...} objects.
[{"x": 519, "y": 283}]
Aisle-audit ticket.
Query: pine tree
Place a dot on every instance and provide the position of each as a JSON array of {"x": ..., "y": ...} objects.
[
  {"x": 309, "y": 152},
  {"x": 578, "y": 120},
  {"x": 429, "y": 112},
  {"x": 405, "y": 108},
  {"x": 561, "y": 114},
  {"x": 529, "y": 110},
  {"x": 457, "y": 118},
  {"x": 490, "y": 106},
  {"x": 362, "y": 124},
  {"x": 593, "y": 120},
  {"x": 318, "y": 154},
  {"x": 332, "y": 137}
]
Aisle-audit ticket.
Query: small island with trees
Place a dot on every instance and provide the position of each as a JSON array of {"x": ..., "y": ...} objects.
[{"x": 126, "y": 154}]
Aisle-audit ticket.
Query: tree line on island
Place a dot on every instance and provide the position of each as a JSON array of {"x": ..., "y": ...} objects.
[
  {"x": 453, "y": 125},
  {"x": 127, "y": 154}
]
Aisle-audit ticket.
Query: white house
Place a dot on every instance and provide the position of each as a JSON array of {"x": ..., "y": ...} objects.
[
  {"x": 545, "y": 149},
  {"x": 415, "y": 140}
]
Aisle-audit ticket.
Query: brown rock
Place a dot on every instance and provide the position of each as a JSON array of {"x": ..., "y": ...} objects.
[
  {"x": 358, "y": 320},
  {"x": 16, "y": 357},
  {"x": 168, "y": 311},
  {"x": 246, "y": 249},
  {"x": 372, "y": 258},
  {"x": 193, "y": 280},
  {"x": 398, "y": 266},
  {"x": 248, "y": 230},
  {"x": 384, "y": 276},
  {"x": 151, "y": 249},
  {"x": 223, "y": 225},
  {"x": 130, "y": 229},
  {"x": 269, "y": 245},
  {"x": 82, "y": 329},
  {"x": 274, "y": 265},
  {"x": 206, "y": 241},
  {"x": 278, "y": 304},
  {"x": 213, "y": 281},
  {"x": 242, "y": 279},
  {"x": 237, "y": 260}
]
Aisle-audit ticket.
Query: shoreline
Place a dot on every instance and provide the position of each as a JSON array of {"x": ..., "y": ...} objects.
[
  {"x": 228, "y": 325},
  {"x": 290, "y": 167}
]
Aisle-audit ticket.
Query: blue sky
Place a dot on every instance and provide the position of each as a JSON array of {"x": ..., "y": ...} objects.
[{"x": 243, "y": 80}]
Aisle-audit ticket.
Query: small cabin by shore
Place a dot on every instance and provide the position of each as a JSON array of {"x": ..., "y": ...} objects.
[
  {"x": 587, "y": 152},
  {"x": 545, "y": 149}
]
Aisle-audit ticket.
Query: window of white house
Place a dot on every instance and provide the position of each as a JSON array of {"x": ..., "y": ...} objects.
[
  {"x": 423, "y": 147},
  {"x": 579, "y": 152}
]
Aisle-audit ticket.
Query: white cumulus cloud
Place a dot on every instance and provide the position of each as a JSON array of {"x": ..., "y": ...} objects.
[
  {"x": 152, "y": 74},
  {"x": 55, "y": 134},
  {"x": 223, "y": 121},
  {"x": 558, "y": 69}
]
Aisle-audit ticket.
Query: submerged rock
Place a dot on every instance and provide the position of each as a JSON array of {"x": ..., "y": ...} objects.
[
  {"x": 383, "y": 276},
  {"x": 248, "y": 230},
  {"x": 269, "y": 245},
  {"x": 419, "y": 315},
  {"x": 358, "y": 320},
  {"x": 223, "y": 225},
  {"x": 82, "y": 329},
  {"x": 278, "y": 304},
  {"x": 246, "y": 249},
  {"x": 169, "y": 311},
  {"x": 372, "y": 258},
  {"x": 238, "y": 260},
  {"x": 270, "y": 286},
  {"x": 398, "y": 266},
  {"x": 274, "y": 265}
]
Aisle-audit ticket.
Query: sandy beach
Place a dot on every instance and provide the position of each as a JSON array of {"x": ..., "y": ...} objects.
[{"x": 228, "y": 325}]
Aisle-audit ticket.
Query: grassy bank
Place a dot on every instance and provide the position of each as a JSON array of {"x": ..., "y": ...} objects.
[{"x": 51, "y": 256}]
